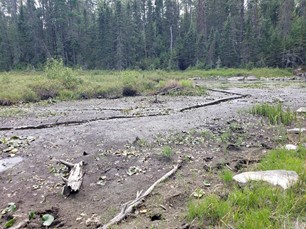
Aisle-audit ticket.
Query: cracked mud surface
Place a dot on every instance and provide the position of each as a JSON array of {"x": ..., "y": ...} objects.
[{"x": 121, "y": 133}]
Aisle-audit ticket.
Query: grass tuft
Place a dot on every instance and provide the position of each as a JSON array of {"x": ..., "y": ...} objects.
[{"x": 274, "y": 113}]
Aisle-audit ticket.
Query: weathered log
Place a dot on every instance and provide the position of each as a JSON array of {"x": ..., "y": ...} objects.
[
  {"x": 131, "y": 205},
  {"x": 215, "y": 102},
  {"x": 296, "y": 130},
  {"x": 74, "y": 181}
]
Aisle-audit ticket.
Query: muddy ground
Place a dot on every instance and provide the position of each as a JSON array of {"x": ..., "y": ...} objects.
[{"x": 112, "y": 136}]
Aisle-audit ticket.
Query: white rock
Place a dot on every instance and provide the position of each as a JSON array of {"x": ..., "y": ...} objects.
[
  {"x": 283, "y": 178},
  {"x": 291, "y": 147},
  {"x": 301, "y": 110}
]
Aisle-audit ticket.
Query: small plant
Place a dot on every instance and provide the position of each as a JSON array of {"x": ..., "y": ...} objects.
[
  {"x": 225, "y": 137},
  {"x": 167, "y": 152},
  {"x": 274, "y": 113}
]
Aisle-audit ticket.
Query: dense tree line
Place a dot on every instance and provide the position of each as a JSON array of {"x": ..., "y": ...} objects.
[{"x": 151, "y": 34}]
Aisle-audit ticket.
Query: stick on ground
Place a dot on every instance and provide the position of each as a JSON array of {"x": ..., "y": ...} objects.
[{"x": 130, "y": 206}]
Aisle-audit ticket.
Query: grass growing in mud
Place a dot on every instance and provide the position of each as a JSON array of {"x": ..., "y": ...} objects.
[
  {"x": 63, "y": 83},
  {"x": 258, "y": 205},
  {"x": 274, "y": 113}
]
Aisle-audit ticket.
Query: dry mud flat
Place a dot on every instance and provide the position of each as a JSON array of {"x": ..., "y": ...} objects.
[{"x": 121, "y": 142}]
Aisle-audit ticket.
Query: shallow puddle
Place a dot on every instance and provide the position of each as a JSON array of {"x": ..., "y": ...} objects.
[{"x": 8, "y": 163}]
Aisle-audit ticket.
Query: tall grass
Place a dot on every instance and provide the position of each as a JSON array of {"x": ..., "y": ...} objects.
[
  {"x": 258, "y": 205},
  {"x": 58, "y": 81},
  {"x": 274, "y": 113}
]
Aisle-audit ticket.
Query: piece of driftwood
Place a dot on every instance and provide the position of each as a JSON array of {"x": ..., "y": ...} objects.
[
  {"x": 131, "y": 205},
  {"x": 296, "y": 130},
  {"x": 214, "y": 102},
  {"x": 74, "y": 181}
]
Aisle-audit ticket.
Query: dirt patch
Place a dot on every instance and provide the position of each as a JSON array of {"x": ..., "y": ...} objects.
[{"x": 124, "y": 154}]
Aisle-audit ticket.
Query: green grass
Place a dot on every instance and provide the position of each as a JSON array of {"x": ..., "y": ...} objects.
[
  {"x": 274, "y": 113},
  {"x": 258, "y": 204},
  {"x": 226, "y": 175},
  {"x": 167, "y": 151},
  {"x": 63, "y": 83}
]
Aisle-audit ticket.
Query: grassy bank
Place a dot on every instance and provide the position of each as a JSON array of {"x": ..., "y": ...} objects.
[
  {"x": 63, "y": 83},
  {"x": 257, "y": 205}
]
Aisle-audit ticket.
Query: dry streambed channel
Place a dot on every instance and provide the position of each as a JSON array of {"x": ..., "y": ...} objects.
[{"x": 126, "y": 145}]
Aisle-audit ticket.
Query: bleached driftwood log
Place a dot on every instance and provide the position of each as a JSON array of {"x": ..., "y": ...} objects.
[
  {"x": 74, "y": 181},
  {"x": 296, "y": 130},
  {"x": 131, "y": 205}
]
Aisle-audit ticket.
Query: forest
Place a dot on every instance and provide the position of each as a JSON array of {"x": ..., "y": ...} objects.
[{"x": 153, "y": 34}]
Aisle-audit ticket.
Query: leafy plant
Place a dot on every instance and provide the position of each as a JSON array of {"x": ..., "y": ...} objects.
[
  {"x": 11, "y": 207},
  {"x": 47, "y": 219},
  {"x": 10, "y": 223},
  {"x": 32, "y": 215}
]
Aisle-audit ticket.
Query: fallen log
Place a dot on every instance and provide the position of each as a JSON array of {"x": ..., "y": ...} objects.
[
  {"x": 140, "y": 196},
  {"x": 74, "y": 181},
  {"x": 215, "y": 102},
  {"x": 296, "y": 130}
]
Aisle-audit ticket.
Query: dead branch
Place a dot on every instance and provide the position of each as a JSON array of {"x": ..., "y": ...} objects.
[
  {"x": 296, "y": 130},
  {"x": 76, "y": 122},
  {"x": 140, "y": 196},
  {"x": 215, "y": 102},
  {"x": 74, "y": 181},
  {"x": 225, "y": 92},
  {"x": 68, "y": 164}
]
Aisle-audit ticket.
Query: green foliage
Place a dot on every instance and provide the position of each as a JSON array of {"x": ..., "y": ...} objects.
[
  {"x": 226, "y": 175},
  {"x": 60, "y": 82},
  {"x": 47, "y": 219},
  {"x": 10, "y": 223},
  {"x": 209, "y": 211},
  {"x": 55, "y": 69},
  {"x": 258, "y": 204},
  {"x": 274, "y": 113},
  {"x": 167, "y": 152}
]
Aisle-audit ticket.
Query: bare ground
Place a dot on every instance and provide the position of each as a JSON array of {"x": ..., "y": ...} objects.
[{"x": 111, "y": 136}]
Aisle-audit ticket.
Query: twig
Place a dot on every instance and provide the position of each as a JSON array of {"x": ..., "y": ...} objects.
[{"x": 130, "y": 206}]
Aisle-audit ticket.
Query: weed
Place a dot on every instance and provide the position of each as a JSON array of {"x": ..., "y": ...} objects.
[
  {"x": 274, "y": 113},
  {"x": 167, "y": 152},
  {"x": 225, "y": 137}
]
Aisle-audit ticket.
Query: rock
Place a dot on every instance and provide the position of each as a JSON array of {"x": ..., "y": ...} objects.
[
  {"x": 301, "y": 110},
  {"x": 291, "y": 147},
  {"x": 283, "y": 178}
]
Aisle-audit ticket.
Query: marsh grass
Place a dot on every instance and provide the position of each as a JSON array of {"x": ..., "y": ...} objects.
[
  {"x": 60, "y": 82},
  {"x": 258, "y": 204},
  {"x": 275, "y": 113}
]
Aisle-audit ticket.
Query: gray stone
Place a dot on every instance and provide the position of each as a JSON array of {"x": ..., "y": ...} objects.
[{"x": 283, "y": 178}]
